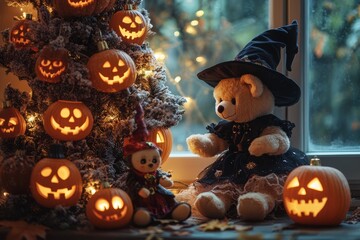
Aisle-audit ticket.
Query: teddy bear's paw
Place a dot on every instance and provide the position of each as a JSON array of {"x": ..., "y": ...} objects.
[
  {"x": 142, "y": 218},
  {"x": 210, "y": 206},
  {"x": 181, "y": 212},
  {"x": 263, "y": 145},
  {"x": 200, "y": 145},
  {"x": 254, "y": 206}
]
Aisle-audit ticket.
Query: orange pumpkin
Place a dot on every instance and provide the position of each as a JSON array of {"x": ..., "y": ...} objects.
[
  {"x": 68, "y": 120},
  {"x": 12, "y": 123},
  {"x": 19, "y": 32},
  {"x": 130, "y": 25},
  {"x": 163, "y": 139},
  {"x": 111, "y": 70},
  {"x": 80, "y": 8},
  {"x": 51, "y": 63},
  {"x": 316, "y": 195},
  {"x": 109, "y": 208},
  {"x": 56, "y": 180}
]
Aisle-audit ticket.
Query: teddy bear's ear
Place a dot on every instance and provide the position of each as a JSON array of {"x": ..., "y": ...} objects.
[{"x": 255, "y": 84}]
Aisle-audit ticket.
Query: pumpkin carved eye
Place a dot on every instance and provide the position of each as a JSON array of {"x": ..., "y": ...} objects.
[
  {"x": 46, "y": 172},
  {"x": 117, "y": 202},
  {"x": 293, "y": 183},
  {"x": 107, "y": 65},
  {"x": 138, "y": 20},
  {"x": 13, "y": 121},
  {"x": 102, "y": 205},
  {"x": 315, "y": 184},
  {"x": 2, "y": 121},
  {"x": 63, "y": 172},
  {"x": 65, "y": 113},
  {"x": 57, "y": 64},
  {"x": 45, "y": 63},
  {"x": 127, "y": 20}
]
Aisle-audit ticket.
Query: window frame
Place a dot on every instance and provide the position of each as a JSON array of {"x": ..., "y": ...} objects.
[{"x": 281, "y": 13}]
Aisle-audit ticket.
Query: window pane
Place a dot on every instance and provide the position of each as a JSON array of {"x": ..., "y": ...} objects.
[
  {"x": 333, "y": 76},
  {"x": 194, "y": 34}
]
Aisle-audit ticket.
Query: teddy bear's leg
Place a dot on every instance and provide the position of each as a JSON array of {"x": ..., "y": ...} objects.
[
  {"x": 142, "y": 218},
  {"x": 181, "y": 212},
  {"x": 255, "y": 206},
  {"x": 213, "y": 206}
]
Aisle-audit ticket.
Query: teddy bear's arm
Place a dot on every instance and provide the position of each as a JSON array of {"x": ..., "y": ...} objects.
[
  {"x": 206, "y": 145},
  {"x": 166, "y": 182},
  {"x": 272, "y": 141}
]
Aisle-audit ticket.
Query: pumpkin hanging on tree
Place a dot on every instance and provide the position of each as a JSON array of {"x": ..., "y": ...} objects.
[
  {"x": 56, "y": 180},
  {"x": 51, "y": 64},
  {"x": 111, "y": 70},
  {"x": 130, "y": 25},
  {"x": 68, "y": 120},
  {"x": 81, "y": 8},
  {"x": 12, "y": 123},
  {"x": 19, "y": 33},
  {"x": 316, "y": 195}
]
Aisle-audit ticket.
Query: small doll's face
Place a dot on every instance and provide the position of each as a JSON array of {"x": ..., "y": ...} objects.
[{"x": 146, "y": 161}]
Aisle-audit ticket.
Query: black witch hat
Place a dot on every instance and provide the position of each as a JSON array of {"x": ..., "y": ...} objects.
[{"x": 260, "y": 57}]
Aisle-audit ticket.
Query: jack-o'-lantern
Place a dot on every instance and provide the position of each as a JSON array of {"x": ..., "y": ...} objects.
[
  {"x": 12, "y": 123},
  {"x": 130, "y": 25},
  {"x": 68, "y": 120},
  {"x": 51, "y": 63},
  {"x": 56, "y": 180},
  {"x": 109, "y": 208},
  {"x": 316, "y": 195},
  {"x": 111, "y": 70},
  {"x": 74, "y": 8},
  {"x": 163, "y": 139},
  {"x": 19, "y": 32}
]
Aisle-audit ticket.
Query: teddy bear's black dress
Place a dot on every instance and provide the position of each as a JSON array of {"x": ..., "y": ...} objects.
[{"x": 238, "y": 166}]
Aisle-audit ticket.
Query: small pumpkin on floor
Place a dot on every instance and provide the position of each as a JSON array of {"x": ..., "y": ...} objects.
[{"x": 316, "y": 195}]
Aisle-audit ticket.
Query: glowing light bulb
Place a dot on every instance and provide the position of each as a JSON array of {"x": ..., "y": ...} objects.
[
  {"x": 177, "y": 79},
  {"x": 176, "y": 33},
  {"x": 200, "y": 13},
  {"x": 160, "y": 56},
  {"x": 191, "y": 30},
  {"x": 194, "y": 23},
  {"x": 201, "y": 59}
]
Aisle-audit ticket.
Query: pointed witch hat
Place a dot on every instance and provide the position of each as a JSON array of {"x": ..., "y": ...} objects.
[{"x": 260, "y": 57}]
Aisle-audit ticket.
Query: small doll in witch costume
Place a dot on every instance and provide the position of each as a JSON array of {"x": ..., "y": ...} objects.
[
  {"x": 147, "y": 183},
  {"x": 254, "y": 149}
]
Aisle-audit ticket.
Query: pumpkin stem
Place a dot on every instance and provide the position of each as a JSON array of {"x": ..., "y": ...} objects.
[
  {"x": 102, "y": 46},
  {"x": 128, "y": 7},
  {"x": 105, "y": 185},
  {"x": 315, "y": 161}
]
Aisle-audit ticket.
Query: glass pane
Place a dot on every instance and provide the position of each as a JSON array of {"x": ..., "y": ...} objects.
[
  {"x": 194, "y": 34},
  {"x": 332, "y": 76}
]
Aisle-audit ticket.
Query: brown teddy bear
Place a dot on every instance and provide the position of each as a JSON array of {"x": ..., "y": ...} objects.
[{"x": 254, "y": 147}]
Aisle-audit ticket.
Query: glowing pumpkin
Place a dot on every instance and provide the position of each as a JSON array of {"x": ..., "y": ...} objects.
[
  {"x": 68, "y": 120},
  {"x": 55, "y": 180},
  {"x": 163, "y": 139},
  {"x": 111, "y": 70},
  {"x": 130, "y": 25},
  {"x": 51, "y": 63},
  {"x": 19, "y": 32},
  {"x": 80, "y": 8},
  {"x": 109, "y": 208},
  {"x": 316, "y": 195},
  {"x": 12, "y": 123}
]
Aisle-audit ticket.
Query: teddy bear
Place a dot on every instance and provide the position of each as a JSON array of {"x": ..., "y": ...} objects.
[
  {"x": 252, "y": 144},
  {"x": 147, "y": 183}
]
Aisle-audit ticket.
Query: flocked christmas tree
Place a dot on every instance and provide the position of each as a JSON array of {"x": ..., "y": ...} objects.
[{"x": 89, "y": 67}]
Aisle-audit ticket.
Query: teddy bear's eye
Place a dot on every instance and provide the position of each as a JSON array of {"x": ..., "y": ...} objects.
[
  {"x": 143, "y": 161},
  {"x": 233, "y": 101}
]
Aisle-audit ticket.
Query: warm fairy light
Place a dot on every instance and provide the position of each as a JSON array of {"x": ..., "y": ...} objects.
[
  {"x": 31, "y": 118},
  {"x": 191, "y": 30},
  {"x": 6, "y": 194},
  {"x": 201, "y": 59},
  {"x": 147, "y": 73},
  {"x": 91, "y": 188},
  {"x": 194, "y": 23},
  {"x": 199, "y": 13},
  {"x": 160, "y": 56},
  {"x": 176, "y": 33},
  {"x": 190, "y": 103},
  {"x": 177, "y": 79}
]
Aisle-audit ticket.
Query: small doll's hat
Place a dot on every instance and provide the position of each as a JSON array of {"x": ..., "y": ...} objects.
[
  {"x": 138, "y": 141},
  {"x": 260, "y": 57}
]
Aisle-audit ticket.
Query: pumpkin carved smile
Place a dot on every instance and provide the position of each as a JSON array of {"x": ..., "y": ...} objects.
[
  {"x": 130, "y": 34},
  {"x": 80, "y": 4},
  {"x": 64, "y": 193},
  {"x": 116, "y": 79},
  {"x": 46, "y": 72},
  {"x": 66, "y": 130}
]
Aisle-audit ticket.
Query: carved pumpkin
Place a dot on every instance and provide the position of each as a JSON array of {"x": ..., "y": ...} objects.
[
  {"x": 163, "y": 139},
  {"x": 13, "y": 167},
  {"x": 111, "y": 70},
  {"x": 130, "y": 25},
  {"x": 316, "y": 195},
  {"x": 55, "y": 180},
  {"x": 19, "y": 32},
  {"x": 109, "y": 208},
  {"x": 80, "y": 8},
  {"x": 68, "y": 120},
  {"x": 12, "y": 123},
  {"x": 51, "y": 63}
]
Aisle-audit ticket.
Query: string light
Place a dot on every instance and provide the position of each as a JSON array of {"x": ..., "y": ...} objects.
[
  {"x": 194, "y": 23},
  {"x": 200, "y": 13},
  {"x": 201, "y": 59},
  {"x": 160, "y": 56},
  {"x": 191, "y": 30},
  {"x": 176, "y": 33},
  {"x": 91, "y": 188},
  {"x": 177, "y": 79}
]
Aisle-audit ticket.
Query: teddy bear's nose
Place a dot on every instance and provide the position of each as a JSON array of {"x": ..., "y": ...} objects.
[{"x": 220, "y": 109}]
